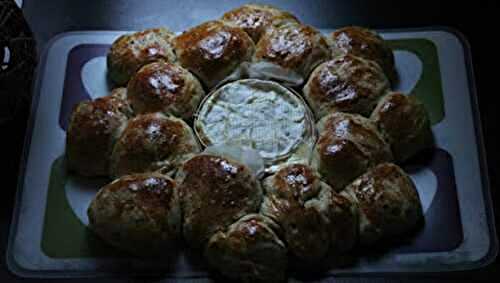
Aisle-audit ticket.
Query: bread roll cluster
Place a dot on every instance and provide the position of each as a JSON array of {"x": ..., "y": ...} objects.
[{"x": 248, "y": 227}]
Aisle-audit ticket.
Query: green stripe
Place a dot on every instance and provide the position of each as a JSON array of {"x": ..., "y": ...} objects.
[{"x": 429, "y": 88}]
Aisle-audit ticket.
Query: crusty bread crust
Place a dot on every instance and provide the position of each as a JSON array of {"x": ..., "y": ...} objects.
[
  {"x": 347, "y": 146},
  {"x": 93, "y": 129},
  {"x": 139, "y": 214},
  {"x": 132, "y": 51},
  {"x": 255, "y": 19},
  {"x": 215, "y": 192},
  {"x": 167, "y": 88},
  {"x": 153, "y": 142},
  {"x": 213, "y": 50},
  {"x": 345, "y": 84}
]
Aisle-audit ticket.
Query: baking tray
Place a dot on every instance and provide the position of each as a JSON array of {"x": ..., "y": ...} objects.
[{"x": 49, "y": 237}]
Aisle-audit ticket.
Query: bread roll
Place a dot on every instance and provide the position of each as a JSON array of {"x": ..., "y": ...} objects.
[
  {"x": 294, "y": 48},
  {"x": 93, "y": 129},
  {"x": 255, "y": 19},
  {"x": 345, "y": 84},
  {"x": 388, "y": 202},
  {"x": 131, "y": 51},
  {"x": 139, "y": 214},
  {"x": 152, "y": 142},
  {"x": 167, "y": 88},
  {"x": 213, "y": 51},
  {"x": 367, "y": 44},
  {"x": 404, "y": 123},
  {"x": 249, "y": 251},
  {"x": 344, "y": 224},
  {"x": 216, "y": 191},
  {"x": 316, "y": 221},
  {"x": 347, "y": 146}
]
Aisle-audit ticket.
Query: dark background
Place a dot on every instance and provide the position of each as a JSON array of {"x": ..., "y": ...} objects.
[{"x": 475, "y": 19}]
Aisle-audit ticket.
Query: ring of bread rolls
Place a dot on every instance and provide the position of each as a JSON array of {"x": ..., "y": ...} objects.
[{"x": 250, "y": 226}]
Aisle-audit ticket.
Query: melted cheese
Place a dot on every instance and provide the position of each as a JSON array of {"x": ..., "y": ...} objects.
[{"x": 256, "y": 114}]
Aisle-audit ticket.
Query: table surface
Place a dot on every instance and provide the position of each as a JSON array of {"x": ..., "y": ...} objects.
[{"x": 474, "y": 19}]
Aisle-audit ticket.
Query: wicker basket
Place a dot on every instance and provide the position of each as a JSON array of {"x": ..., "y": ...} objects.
[{"x": 18, "y": 59}]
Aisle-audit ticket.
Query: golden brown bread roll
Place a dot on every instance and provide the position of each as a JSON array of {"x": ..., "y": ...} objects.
[
  {"x": 250, "y": 251},
  {"x": 365, "y": 43},
  {"x": 254, "y": 19},
  {"x": 138, "y": 213},
  {"x": 295, "y": 48},
  {"x": 152, "y": 142},
  {"x": 165, "y": 87},
  {"x": 344, "y": 224},
  {"x": 347, "y": 146},
  {"x": 215, "y": 192},
  {"x": 316, "y": 221},
  {"x": 388, "y": 202},
  {"x": 131, "y": 51},
  {"x": 93, "y": 129},
  {"x": 345, "y": 84},
  {"x": 213, "y": 50},
  {"x": 291, "y": 199},
  {"x": 404, "y": 123}
]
